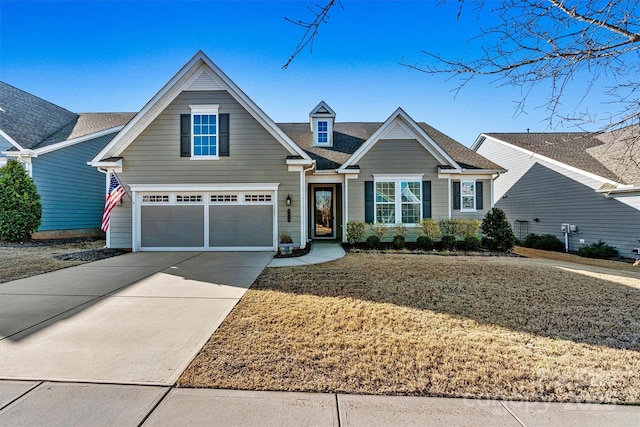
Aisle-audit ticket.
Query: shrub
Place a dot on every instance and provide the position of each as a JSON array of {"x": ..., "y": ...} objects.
[
  {"x": 356, "y": 231},
  {"x": 20, "y": 207},
  {"x": 431, "y": 229},
  {"x": 399, "y": 229},
  {"x": 547, "y": 242},
  {"x": 373, "y": 242},
  {"x": 425, "y": 243},
  {"x": 470, "y": 243},
  {"x": 448, "y": 243},
  {"x": 398, "y": 241},
  {"x": 461, "y": 228},
  {"x": 598, "y": 250},
  {"x": 498, "y": 235},
  {"x": 285, "y": 238},
  {"x": 379, "y": 230}
]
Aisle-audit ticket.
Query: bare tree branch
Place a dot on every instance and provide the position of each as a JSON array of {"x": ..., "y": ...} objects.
[{"x": 321, "y": 15}]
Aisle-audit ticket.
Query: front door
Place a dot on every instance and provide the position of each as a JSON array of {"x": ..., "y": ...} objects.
[{"x": 323, "y": 212}]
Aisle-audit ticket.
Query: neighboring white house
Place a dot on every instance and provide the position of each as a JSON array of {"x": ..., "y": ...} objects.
[{"x": 587, "y": 180}]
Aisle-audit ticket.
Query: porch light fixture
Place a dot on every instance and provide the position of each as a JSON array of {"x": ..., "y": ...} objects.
[{"x": 288, "y": 200}]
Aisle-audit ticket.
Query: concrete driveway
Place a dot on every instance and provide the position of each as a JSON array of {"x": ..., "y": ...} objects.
[{"x": 133, "y": 319}]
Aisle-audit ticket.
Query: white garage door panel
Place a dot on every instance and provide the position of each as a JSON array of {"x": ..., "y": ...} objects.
[
  {"x": 241, "y": 226},
  {"x": 172, "y": 226}
]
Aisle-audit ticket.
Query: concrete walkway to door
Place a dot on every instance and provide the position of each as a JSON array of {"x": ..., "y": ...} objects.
[{"x": 138, "y": 318}]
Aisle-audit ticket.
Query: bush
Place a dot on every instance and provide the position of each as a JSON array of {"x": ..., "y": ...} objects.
[
  {"x": 431, "y": 229},
  {"x": 598, "y": 250},
  {"x": 399, "y": 230},
  {"x": 546, "y": 242},
  {"x": 425, "y": 243},
  {"x": 20, "y": 207},
  {"x": 398, "y": 241},
  {"x": 498, "y": 235},
  {"x": 373, "y": 242},
  {"x": 448, "y": 243},
  {"x": 356, "y": 231},
  {"x": 461, "y": 228},
  {"x": 379, "y": 230},
  {"x": 471, "y": 243}
]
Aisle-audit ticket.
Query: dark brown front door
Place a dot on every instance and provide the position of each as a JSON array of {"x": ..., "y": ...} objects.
[{"x": 323, "y": 212}]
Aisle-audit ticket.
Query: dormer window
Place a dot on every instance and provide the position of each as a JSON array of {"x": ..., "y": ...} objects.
[
  {"x": 321, "y": 119},
  {"x": 323, "y": 135}
]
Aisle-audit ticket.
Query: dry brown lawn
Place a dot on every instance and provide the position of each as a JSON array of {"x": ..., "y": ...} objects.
[
  {"x": 17, "y": 262},
  {"x": 481, "y": 327}
]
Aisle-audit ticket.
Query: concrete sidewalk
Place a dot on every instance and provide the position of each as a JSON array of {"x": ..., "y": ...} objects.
[
  {"x": 64, "y": 404},
  {"x": 320, "y": 252}
]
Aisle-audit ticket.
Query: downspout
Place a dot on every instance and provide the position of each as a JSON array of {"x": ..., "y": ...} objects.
[
  {"x": 493, "y": 178},
  {"x": 303, "y": 206},
  {"x": 450, "y": 195}
]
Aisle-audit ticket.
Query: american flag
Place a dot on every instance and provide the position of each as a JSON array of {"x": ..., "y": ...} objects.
[{"x": 114, "y": 195}]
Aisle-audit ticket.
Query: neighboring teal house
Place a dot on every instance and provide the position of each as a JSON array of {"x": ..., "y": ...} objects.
[{"x": 54, "y": 145}]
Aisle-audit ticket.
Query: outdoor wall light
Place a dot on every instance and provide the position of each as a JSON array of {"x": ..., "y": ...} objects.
[{"x": 288, "y": 200}]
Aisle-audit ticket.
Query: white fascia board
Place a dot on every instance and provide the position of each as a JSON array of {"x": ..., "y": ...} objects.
[
  {"x": 429, "y": 144},
  {"x": 478, "y": 142},
  {"x": 620, "y": 190},
  {"x": 70, "y": 142},
  {"x": 113, "y": 164},
  {"x": 127, "y": 136},
  {"x": 405, "y": 176},
  {"x": 556, "y": 162},
  {"x": 11, "y": 140},
  {"x": 21, "y": 153},
  {"x": 471, "y": 171},
  {"x": 300, "y": 162},
  {"x": 259, "y": 186}
]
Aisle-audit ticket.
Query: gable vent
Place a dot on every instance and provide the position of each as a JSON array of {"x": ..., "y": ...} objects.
[
  {"x": 204, "y": 81},
  {"x": 399, "y": 131}
]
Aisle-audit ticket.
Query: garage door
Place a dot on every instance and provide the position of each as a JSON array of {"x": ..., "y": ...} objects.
[{"x": 207, "y": 220}]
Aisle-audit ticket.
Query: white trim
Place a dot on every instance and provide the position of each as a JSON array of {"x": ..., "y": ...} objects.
[
  {"x": 473, "y": 172},
  {"x": 204, "y": 187},
  {"x": 421, "y": 136},
  {"x": 333, "y": 178},
  {"x": 70, "y": 142},
  {"x": 10, "y": 140},
  {"x": 396, "y": 177},
  {"x": 552, "y": 161},
  {"x": 171, "y": 90}
]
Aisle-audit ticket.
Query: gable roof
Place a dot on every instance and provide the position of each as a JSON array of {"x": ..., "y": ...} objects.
[
  {"x": 610, "y": 155},
  {"x": 28, "y": 120},
  {"x": 31, "y": 123},
  {"x": 348, "y": 137},
  {"x": 322, "y": 110},
  {"x": 199, "y": 73}
]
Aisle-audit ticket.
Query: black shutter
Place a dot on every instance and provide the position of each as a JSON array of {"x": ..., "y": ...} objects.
[
  {"x": 426, "y": 199},
  {"x": 478, "y": 195},
  {"x": 368, "y": 202},
  {"x": 456, "y": 195},
  {"x": 223, "y": 134},
  {"x": 185, "y": 135}
]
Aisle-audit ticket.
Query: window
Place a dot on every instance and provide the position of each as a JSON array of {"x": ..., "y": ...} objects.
[
  {"x": 224, "y": 198},
  {"x": 252, "y": 198},
  {"x": 205, "y": 134},
  {"x": 468, "y": 195},
  {"x": 155, "y": 198},
  {"x": 323, "y": 132},
  {"x": 398, "y": 201},
  {"x": 188, "y": 198}
]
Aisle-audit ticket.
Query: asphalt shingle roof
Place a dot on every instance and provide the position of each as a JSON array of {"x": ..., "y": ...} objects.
[
  {"x": 612, "y": 155},
  {"x": 349, "y": 136},
  {"x": 35, "y": 123}
]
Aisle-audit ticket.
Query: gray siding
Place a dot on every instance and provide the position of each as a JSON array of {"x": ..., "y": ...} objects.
[
  {"x": 554, "y": 199},
  {"x": 72, "y": 192},
  {"x": 405, "y": 157},
  {"x": 555, "y": 195},
  {"x": 255, "y": 157}
]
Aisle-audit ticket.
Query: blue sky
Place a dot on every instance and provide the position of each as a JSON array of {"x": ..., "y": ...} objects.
[{"x": 93, "y": 56}]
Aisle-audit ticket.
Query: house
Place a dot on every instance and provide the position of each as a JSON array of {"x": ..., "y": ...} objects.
[
  {"x": 54, "y": 146},
  {"x": 589, "y": 181},
  {"x": 206, "y": 169}
]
